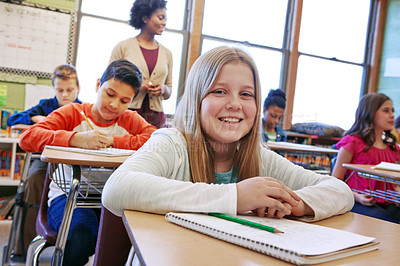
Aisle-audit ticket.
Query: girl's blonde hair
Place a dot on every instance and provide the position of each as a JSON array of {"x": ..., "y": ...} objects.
[{"x": 201, "y": 78}]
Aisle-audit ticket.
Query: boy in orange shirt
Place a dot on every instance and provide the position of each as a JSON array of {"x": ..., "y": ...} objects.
[{"x": 113, "y": 125}]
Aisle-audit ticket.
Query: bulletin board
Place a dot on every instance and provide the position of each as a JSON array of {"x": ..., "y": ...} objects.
[{"x": 33, "y": 41}]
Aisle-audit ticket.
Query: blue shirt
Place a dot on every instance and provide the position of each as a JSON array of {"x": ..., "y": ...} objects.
[
  {"x": 280, "y": 135},
  {"x": 44, "y": 108}
]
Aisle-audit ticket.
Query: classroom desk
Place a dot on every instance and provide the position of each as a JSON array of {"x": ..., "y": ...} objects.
[
  {"x": 310, "y": 157},
  {"x": 77, "y": 160},
  {"x": 158, "y": 242},
  {"x": 385, "y": 176},
  {"x": 299, "y": 147}
]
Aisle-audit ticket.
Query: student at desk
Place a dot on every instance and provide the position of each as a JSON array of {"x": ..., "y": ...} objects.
[
  {"x": 213, "y": 159},
  {"x": 370, "y": 141},
  {"x": 113, "y": 125},
  {"x": 274, "y": 107},
  {"x": 66, "y": 85}
]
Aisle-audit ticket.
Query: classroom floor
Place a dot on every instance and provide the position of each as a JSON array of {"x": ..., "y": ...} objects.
[{"x": 5, "y": 227}]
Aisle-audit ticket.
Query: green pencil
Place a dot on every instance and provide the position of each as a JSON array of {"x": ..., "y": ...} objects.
[{"x": 245, "y": 222}]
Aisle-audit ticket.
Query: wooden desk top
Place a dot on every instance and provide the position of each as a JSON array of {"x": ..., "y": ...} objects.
[
  {"x": 298, "y": 147},
  {"x": 75, "y": 158},
  {"x": 162, "y": 243},
  {"x": 365, "y": 168}
]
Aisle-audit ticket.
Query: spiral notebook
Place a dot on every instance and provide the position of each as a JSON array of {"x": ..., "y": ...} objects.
[{"x": 301, "y": 243}]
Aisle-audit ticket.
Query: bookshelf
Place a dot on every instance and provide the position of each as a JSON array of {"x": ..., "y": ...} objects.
[{"x": 7, "y": 143}]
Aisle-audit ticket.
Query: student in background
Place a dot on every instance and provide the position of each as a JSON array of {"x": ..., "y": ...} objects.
[
  {"x": 274, "y": 107},
  {"x": 66, "y": 85},
  {"x": 152, "y": 58},
  {"x": 113, "y": 125},
  {"x": 370, "y": 141},
  {"x": 213, "y": 160}
]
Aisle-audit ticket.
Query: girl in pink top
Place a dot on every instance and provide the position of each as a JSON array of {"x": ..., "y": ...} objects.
[{"x": 370, "y": 141}]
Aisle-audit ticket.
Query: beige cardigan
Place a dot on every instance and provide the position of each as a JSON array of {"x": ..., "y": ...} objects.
[{"x": 162, "y": 74}]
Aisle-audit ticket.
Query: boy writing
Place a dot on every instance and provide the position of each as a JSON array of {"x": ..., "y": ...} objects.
[
  {"x": 66, "y": 85},
  {"x": 113, "y": 125}
]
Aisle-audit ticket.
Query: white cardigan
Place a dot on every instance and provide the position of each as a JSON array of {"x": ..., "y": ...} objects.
[
  {"x": 129, "y": 49},
  {"x": 157, "y": 179}
]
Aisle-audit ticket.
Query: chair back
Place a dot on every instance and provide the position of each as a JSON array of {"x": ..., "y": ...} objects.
[
  {"x": 42, "y": 226},
  {"x": 113, "y": 243}
]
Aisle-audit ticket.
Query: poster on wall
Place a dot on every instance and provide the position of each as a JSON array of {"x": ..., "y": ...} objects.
[
  {"x": 35, "y": 93},
  {"x": 33, "y": 39}
]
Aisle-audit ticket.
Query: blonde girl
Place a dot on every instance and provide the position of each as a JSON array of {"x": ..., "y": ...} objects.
[{"x": 212, "y": 160}]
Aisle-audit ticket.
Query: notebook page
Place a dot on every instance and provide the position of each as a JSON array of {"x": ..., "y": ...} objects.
[
  {"x": 302, "y": 238},
  {"x": 387, "y": 166},
  {"x": 101, "y": 152}
]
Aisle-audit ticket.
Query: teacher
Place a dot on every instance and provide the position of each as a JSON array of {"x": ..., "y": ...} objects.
[{"x": 152, "y": 58}]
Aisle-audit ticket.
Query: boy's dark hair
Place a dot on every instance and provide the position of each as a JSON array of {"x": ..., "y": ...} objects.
[
  {"x": 65, "y": 72},
  {"x": 124, "y": 71},
  {"x": 144, "y": 8},
  {"x": 275, "y": 98}
]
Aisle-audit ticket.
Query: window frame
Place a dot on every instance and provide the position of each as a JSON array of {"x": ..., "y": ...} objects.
[{"x": 184, "y": 31}]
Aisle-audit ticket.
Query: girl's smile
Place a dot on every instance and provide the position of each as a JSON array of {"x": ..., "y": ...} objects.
[{"x": 229, "y": 109}]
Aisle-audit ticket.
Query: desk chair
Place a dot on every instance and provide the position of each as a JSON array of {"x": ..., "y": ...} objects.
[
  {"x": 113, "y": 243},
  {"x": 46, "y": 235}
]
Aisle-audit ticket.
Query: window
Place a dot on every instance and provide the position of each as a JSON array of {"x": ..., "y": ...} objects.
[
  {"x": 333, "y": 57},
  {"x": 102, "y": 24},
  {"x": 331, "y": 64},
  {"x": 259, "y": 25}
]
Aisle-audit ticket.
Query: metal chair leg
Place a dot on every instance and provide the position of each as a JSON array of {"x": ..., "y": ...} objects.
[
  {"x": 35, "y": 248},
  {"x": 67, "y": 217}
]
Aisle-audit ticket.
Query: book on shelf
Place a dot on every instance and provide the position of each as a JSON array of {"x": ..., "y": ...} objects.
[
  {"x": 300, "y": 242},
  {"x": 100, "y": 152},
  {"x": 6, "y": 206},
  {"x": 7, "y": 209}
]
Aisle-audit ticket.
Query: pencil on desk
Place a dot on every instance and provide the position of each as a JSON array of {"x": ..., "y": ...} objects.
[{"x": 245, "y": 222}]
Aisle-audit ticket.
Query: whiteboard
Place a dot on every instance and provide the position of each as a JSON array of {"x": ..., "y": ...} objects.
[{"x": 33, "y": 41}]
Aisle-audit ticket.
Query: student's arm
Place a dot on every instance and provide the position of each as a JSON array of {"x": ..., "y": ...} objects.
[
  {"x": 325, "y": 195},
  {"x": 157, "y": 179},
  {"x": 27, "y": 117},
  {"x": 55, "y": 130},
  {"x": 344, "y": 156},
  {"x": 37, "y": 118},
  {"x": 139, "y": 131},
  {"x": 34, "y": 114}
]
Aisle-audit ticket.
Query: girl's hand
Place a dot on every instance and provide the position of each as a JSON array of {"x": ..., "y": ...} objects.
[
  {"x": 302, "y": 209},
  {"x": 364, "y": 199},
  {"x": 92, "y": 139},
  {"x": 265, "y": 194}
]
